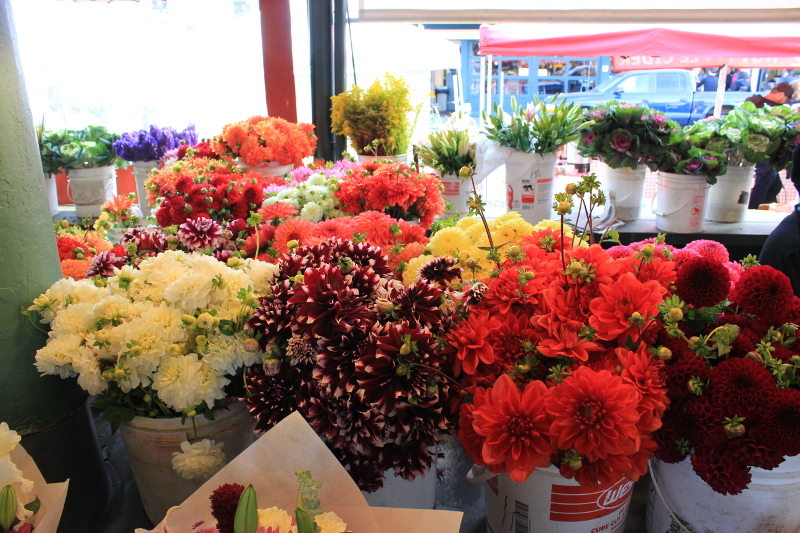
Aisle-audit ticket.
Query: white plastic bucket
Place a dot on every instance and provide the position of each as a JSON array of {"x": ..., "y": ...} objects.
[
  {"x": 549, "y": 503},
  {"x": 268, "y": 169},
  {"x": 397, "y": 492},
  {"x": 680, "y": 202},
  {"x": 456, "y": 191},
  {"x": 141, "y": 171},
  {"x": 51, "y": 190},
  {"x": 728, "y": 198},
  {"x": 150, "y": 443},
  {"x": 402, "y": 158},
  {"x": 530, "y": 180},
  {"x": 625, "y": 188},
  {"x": 89, "y": 188},
  {"x": 681, "y": 502}
]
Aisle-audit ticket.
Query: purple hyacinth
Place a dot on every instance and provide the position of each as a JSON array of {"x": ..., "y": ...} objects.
[{"x": 152, "y": 144}]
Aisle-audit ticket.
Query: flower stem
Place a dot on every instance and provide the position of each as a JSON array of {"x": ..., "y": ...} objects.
[
  {"x": 439, "y": 373},
  {"x": 33, "y": 323}
]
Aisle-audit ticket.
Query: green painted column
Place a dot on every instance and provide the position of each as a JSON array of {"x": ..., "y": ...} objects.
[{"x": 28, "y": 256}]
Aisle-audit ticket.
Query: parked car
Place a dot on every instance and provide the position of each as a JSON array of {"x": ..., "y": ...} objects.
[{"x": 670, "y": 91}]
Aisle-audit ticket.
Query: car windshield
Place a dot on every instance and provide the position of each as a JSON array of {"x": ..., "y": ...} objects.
[{"x": 608, "y": 83}]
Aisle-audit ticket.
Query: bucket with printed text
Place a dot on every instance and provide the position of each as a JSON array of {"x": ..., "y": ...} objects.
[
  {"x": 530, "y": 180},
  {"x": 625, "y": 187},
  {"x": 549, "y": 503},
  {"x": 681, "y": 502},
  {"x": 680, "y": 202},
  {"x": 456, "y": 191},
  {"x": 729, "y": 197}
]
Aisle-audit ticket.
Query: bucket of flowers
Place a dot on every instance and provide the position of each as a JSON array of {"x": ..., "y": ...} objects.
[
  {"x": 271, "y": 146},
  {"x": 564, "y": 392},
  {"x": 158, "y": 335},
  {"x": 729, "y": 442}
]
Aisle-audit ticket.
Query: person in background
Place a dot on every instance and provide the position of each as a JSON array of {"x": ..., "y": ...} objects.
[
  {"x": 796, "y": 96},
  {"x": 781, "y": 250},
  {"x": 768, "y": 182},
  {"x": 710, "y": 82},
  {"x": 741, "y": 82}
]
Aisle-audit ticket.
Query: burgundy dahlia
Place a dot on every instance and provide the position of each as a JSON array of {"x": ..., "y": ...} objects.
[
  {"x": 200, "y": 233},
  {"x": 103, "y": 264},
  {"x": 765, "y": 292},
  {"x": 418, "y": 304},
  {"x": 779, "y": 426},
  {"x": 702, "y": 282},
  {"x": 718, "y": 468},
  {"x": 739, "y": 385},
  {"x": 224, "y": 501},
  {"x": 441, "y": 270},
  {"x": 270, "y": 399}
]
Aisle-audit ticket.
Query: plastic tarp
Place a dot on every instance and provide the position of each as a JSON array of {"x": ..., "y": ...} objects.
[{"x": 513, "y": 40}]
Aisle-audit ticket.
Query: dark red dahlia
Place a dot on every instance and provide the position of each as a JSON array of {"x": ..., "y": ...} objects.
[
  {"x": 403, "y": 367},
  {"x": 720, "y": 470},
  {"x": 441, "y": 270},
  {"x": 672, "y": 430},
  {"x": 346, "y": 422},
  {"x": 146, "y": 239},
  {"x": 418, "y": 304},
  {"x": 224, "y": 501},
  {"x": 336, "y": 363},
  {"x": 103, "y": 264},
  {"x": 365, "y": 469},
  {"x": 764, "y": 292},
  {"x": 749, "y": 451},
  {"x": 739, "y": 386},
  {"x": 273, "y": 314},
  {"x": 681, "y": 370},
  {"x": 301, "y": 350},
  {"x": 270, "y": 399},
  {"x": 702, "y": 282},
  {"x": 201, "y": 233},
  {"x": 779, "y": 426},
  {"x": 704, "y": 422},
  {"x": 408, "y": 460}
]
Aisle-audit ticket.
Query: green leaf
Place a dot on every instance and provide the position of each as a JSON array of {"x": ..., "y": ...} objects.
[
  {"x": 304, "y": 522},
  {"x": 118, "y": 415},
  {"x": 246, "y": 519},
  {"x": 34, "y": 505}
]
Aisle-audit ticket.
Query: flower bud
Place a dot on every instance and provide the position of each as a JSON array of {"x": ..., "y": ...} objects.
[
  {"x": 463, "y": 173},
  {"x": 649, "y": 249},
  {"x": 675, "y": 314},
  {"x": 148, "y": 398},
  {"x": 107, "y": 376},
  {"x": 64, "y": 224},
  {"x": 470, "y": 263},
  {"x": 102, "y": 336},
  {"x": 119, "y": 374},
  {"x": 385, "y": 306},
  {"x": 271, "y": 366},
  {"x": 294, "y": 243},
  {"x": 570, "y": 188},
  {"x": 663, "y": 353},
  {"x": 189, "y": 321},
  {"x": 250, "y": 300},
  {"x": 514, "y": 251},
  {"x": 755, "y": 356},
  {"x": 405, "y": 349},
  {"x": 530, "y": 275},
  {"x": 135, "y": 350},
  {"x": 205, "y": 321},
  {"x": 190, "y": 413},
  {"x": 201, "y": 340},
  {"x": 233, "y": 262},
  {"x": 403, "y": 370},
  {"x": 575, "y": 267},
  {"x": 100, "y": 282},
  {"x": 563, "y": 208},
  {"x": 8, "y": 507},
  {"x": 174, "y": 349},
  {"x": 575, "y": 463},
  {"x": 250, "y": 345}
]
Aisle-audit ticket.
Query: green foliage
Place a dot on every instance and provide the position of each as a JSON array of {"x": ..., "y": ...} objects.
[
  {"x": 682, "y": 157},
  {"x": 541, "y": 128},
  {"x": 377, "y": 120},
  {"x": 90, "y": 147},
  {"x": 624, "y": 135},
  {"x": 449, "y": 149},
  {"x": 748, "y": 135}
]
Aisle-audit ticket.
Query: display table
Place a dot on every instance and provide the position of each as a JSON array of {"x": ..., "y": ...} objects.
[{"x": 740, "y": 238}]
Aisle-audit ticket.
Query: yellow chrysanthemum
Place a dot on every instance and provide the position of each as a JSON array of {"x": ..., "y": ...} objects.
[
  {"x": 522, "y": 227},
  {"x": 510, "y": 215},
  {"x": 330, "y": 522},
  {"x": 412, "y": 268},
  {"x": 544, "y": 224},
  {"x": 467, "y": 222},
  {"x": 475, "y": 231},
  {"x": 448, "y": 242}
]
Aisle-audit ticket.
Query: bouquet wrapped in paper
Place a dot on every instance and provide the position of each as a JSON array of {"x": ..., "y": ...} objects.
[
  {"x": 27, "y": 502},
  {"x": 270, "y": 464}
]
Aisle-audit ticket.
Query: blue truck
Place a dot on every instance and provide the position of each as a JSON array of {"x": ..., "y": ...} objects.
[{"x": 670, "y": 91}]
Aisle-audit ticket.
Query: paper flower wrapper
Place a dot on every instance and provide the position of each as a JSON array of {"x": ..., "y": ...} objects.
[
  {"x": 51, "y": 495},
  {"x": 269, "y": 465}
]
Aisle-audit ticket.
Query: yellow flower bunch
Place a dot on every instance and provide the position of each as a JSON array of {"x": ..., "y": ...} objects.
[{"x": 465, "y": 240}]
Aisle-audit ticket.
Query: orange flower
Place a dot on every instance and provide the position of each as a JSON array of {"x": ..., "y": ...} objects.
[
  {"x": 277, "y": 210},
  {"x": 611, "y": 313},
  {"x": 263, "y": 139},
  {"x": 293, "y": 229},
  {"x": 75, "y": 268},
  {"x": 471, "y": 340},
  {"x": 594, "y": 413},
  {"x": 97, "y": 242},
  {"x": 375, "y": 225},
  {"x": 516, "y": 428}
]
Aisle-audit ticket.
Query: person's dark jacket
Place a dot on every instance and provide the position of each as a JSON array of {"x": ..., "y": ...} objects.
[
  {"x": 781, "y": 251},
  {"x": 709, "y": 83}
]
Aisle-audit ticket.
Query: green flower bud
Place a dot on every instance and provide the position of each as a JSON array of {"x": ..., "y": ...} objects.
[{"x": 8, "y": 507}]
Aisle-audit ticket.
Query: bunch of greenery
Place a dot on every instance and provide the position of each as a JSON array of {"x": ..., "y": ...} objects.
[
  {"x": 90, "y": 147},
  {"x": 448, "y": 149},
  {"x": 625, "y": 135},
  {"x": 680, "y": 156},
  {"x": 378, "y": 120},
  {"x": 540, "y": 128},
  {"x": 749, "y": 135}
]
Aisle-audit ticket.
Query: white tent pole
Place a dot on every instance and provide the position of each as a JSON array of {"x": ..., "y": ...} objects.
[
  {"x": 723, "y": 74},
  {"x": 500, "y": 92},
  {"x": 489, "y": 80},
  {"x": 482, "y": 87}
]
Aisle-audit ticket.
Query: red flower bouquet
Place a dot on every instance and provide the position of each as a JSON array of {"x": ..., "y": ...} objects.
[
  {"x": 394, "y": 189},
  {"x": 259, "y": 140},
  {"x": 77, "y": 248},
  {"x": 729, "y": 344},
  {"x": 556, "y": 357},
  {"x": 359, "y": 355}
]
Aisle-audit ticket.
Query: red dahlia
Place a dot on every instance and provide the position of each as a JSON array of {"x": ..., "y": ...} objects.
[
  {"x": 200, "y": 233},
  {"x": 739, "y": 385},
  {"x": 702, "y": 282},
  {"x": 765, "y": 292},
  {"x": 710, "y": 249},
  {"x": 719, "y": 469},
  {"x": 780, "y": 421},
  {"x": 224, "y": 501}
]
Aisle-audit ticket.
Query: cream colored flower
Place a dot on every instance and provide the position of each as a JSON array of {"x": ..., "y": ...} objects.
[
  {"x": 8, "y": 440},
  {"x": 169, "y": 320},
  {"x": 89, "y": 372},
  {"x": 9, "y": 473},
  {"x": 277, "y": 519},
  {"x": 312, "y": 212},
  {"x": 56, "y": 356},
  {"x": 64, "y": 292},
  {"x": 224, "y": 353},
  {"x": 75, "y": 319},
  {"x": 114, "y": 309},
  {"x": 178, "y": 379},
  {"x": 329, "y": 522},
  {"x": 212, "y": 384},
  {"x": 190, "y": 292},
  {"x": 261, "y": 274},
  {"x": 201, "y": 459},
  {"x": 126, "y": 279}
]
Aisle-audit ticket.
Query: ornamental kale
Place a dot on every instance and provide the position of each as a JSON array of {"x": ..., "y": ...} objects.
[
  {"x": 90, "y": 147},
  {"x": 150, "y": 145}
]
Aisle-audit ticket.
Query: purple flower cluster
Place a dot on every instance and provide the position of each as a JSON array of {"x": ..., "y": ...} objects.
[{"x": 150, "y": 145}]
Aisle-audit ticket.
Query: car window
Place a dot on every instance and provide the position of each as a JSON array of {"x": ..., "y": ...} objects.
[
  {"x": 639, "y": 83},
  {"x": 669, "y": 82}
]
